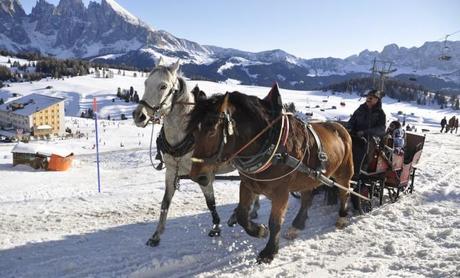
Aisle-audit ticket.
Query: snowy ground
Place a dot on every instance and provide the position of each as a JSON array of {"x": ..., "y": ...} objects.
[{"x": 56, "y": 224}]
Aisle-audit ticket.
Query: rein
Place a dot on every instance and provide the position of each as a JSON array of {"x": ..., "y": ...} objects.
[
  {"x": 162, "y": 144},
  {"x": 279, "y": 158},
  {"x": 257, "y": 136},
  {"x": 216, "y": 157}
]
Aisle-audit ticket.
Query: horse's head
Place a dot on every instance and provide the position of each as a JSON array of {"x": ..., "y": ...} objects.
[
  {"x": 221, "y": 125},
  {"x": 213, "y": 128},
  {"x": 160, "y": 87}
]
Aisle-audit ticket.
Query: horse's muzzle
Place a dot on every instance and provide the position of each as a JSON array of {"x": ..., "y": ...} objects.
[{"x": 141, "y": 119}]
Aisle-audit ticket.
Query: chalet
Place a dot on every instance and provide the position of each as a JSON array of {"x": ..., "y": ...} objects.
[{"x": 45, "y": 157}]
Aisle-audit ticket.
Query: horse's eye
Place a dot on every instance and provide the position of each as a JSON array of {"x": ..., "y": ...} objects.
[{"x": 163, "y": 87}]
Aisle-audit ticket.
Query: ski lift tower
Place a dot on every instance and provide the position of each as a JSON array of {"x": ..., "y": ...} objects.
[{"x": 383, "y": 69}]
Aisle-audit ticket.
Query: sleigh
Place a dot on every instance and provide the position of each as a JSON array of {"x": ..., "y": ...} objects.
[{"x": 385, "y": 169}]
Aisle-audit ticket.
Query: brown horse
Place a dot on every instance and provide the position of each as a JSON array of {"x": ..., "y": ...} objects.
[{"x": 251, "y": 133}]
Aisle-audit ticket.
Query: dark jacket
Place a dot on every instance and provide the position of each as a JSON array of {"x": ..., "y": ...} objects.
[
  {"x": 370, "y": 121},
  {"x": 443, "y": 122}
]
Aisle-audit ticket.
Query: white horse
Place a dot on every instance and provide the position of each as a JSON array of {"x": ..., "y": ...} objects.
[{"x": 166, "y": 93}]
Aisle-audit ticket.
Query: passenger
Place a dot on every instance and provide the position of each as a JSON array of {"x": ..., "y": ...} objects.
[
  {"x": 366, "y": 122},
  {"x": 396, "y": 133}
]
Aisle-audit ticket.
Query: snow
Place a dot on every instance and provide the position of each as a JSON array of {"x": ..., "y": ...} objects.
[
  {"x": 197, "y": 57},
  {"x": 238, "y": 61},
  {"x": 56, "y": 224},
  {"x": 110, "y": 56},
  {"x": 4, "y": 61},
  {"x": 32, "y": 103},
  {"x": 129, "y": 17},
  {"x": 41, "y": 149}
]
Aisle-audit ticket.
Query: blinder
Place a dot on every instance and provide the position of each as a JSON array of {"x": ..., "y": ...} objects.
[{"x": 227, "y": 130}]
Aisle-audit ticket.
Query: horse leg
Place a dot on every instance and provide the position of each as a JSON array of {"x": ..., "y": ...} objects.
[
  {"x": 231, "y": 222},
  {"x": 208, "y": 192},
  {"x": 253, "y": 214},
  {"x": 154, "y": 240},
  {"x": 342, "y": 221},
  {"x": 298, "y": 224},
  {"x": 255, "y": 208},
  {"x": 279, "y": 205},
  {"x": 242, "y": 214}
]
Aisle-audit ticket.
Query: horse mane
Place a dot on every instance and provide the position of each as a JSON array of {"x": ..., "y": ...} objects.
[{"x": 249, "y": 107}]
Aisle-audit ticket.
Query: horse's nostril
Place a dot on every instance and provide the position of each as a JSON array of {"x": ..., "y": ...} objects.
[
  {"x": 142, "y": 117},
  {"x": 139, "y": 117}
]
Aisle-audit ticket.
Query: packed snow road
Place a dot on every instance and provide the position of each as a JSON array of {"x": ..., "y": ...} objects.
[{"x": 57, "y": 225}]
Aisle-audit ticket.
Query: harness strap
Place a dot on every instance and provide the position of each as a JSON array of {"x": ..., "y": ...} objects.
[
  {"x": 322, "y": 156},
  {"x": 173, "y": 91},
  {"x": 294, "y": 163},
  {"x": 262, "y": 161},
  {"x": 182, "y": 148}
]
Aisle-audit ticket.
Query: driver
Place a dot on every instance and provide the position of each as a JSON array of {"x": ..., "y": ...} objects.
[{"x": 367, "y": 121}]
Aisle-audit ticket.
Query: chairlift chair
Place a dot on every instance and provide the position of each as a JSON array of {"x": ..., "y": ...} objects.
[{"x": 445, "y": 51}]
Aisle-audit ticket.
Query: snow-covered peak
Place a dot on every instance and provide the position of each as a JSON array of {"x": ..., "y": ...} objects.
[{"x": 118, "y": 9}]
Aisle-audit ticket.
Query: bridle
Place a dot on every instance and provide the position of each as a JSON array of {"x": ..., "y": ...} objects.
[
  {"x": 175, "y": 92},
  {"x": 156, "y": 108},
  {"x": 227, "y": 130}
]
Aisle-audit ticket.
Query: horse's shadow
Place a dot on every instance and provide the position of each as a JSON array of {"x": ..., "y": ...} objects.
[{"x": 185, "y": 248}]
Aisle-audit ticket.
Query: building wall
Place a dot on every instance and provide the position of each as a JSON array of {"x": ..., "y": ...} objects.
[
  {"x": 4, "y": 119},
  {"x": 18, "y": 121},
  {"x": 53, "y": 116}
]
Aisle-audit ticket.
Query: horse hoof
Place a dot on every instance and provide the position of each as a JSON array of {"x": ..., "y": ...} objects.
[
  {"x": 152, "y": 242},
  {"x": 292, "y": 233},
  {"x": 232, "y": 221},
  {"x": 341, "y": 223},
  {"x": 263, "y": 231},
  {"x": 214, "y": 232},
  {"x": 265, "y": 258}
]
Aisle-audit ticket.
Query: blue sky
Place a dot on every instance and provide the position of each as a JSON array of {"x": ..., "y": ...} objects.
[{"x": 308, "y": 29}]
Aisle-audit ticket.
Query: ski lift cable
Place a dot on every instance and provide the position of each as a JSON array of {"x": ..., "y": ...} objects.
[{"x": 448, "y": 35}]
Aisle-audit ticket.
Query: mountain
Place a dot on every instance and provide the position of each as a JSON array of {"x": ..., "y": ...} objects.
[{"x": 106, "y": 32}]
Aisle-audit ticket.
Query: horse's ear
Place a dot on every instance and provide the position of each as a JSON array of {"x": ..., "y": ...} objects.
[
  {"x": 224, "y": 106},
  {"x": 274, "y": 99},
  {"x": 198, "y": 94},
  {"x": 202, "y": 95},
  {"x": 274, "y": 94},
  {"x": 174, "y": 67},
  {"x": 160, "y": 62}
]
